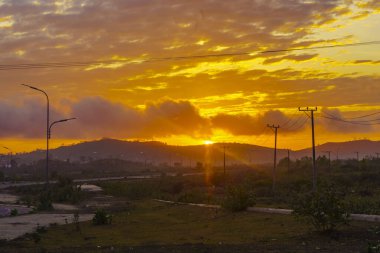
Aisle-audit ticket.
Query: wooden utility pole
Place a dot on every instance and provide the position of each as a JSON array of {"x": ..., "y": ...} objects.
[
  {"x": 357, "y": 155},
  {"x": 224, "y": 165},
  {"x": 274, "y": 128},
  {"x": 329, "y": 153},
  {"x": 288, "y": 160},
  {"x": 312, "y": 110},
  {"x": 357, "y": 159}
]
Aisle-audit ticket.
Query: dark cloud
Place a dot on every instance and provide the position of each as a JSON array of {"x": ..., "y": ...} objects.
[
  {"x": 333, "y": 120},
  {"x": 97, "y": 117},
  {"x": 174, "y": 118},
  {"x": 253, "y": 125},
  {"x": 366, "y": 62},
  {"x": 97, "y": 29},
  {"x": 25, "y": 120}
]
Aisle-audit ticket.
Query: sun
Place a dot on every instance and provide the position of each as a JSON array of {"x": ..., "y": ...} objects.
[{"x": 208, "y": 142}]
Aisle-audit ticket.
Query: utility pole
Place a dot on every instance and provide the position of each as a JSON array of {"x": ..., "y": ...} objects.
[
  {"x": 329, "y": 153},
  {"x": 312, "y": 110},
  {"x": 224, "y": 165},
  {"x": 275, "y": 129},
  {"x": 357, "y": 158},
  {"x": 357, "y": 155}
]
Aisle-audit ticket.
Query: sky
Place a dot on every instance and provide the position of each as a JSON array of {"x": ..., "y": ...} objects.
[{"x": 142, "y": 81}]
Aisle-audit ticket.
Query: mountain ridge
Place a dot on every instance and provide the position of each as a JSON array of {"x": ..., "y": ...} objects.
[{"x": 158, "y": 152}]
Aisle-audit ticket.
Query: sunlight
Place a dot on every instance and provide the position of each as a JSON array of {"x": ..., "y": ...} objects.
[{"x": 208, "y": 142}]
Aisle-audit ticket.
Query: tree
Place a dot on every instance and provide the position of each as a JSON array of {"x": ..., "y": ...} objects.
[{"x": 324, "y": 209}]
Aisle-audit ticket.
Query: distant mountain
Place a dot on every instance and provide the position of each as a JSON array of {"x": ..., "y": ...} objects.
[
  {"x": 344, "y": 150},
  {"x": 160, "y": 153},
  {"x": 157, "y": 153}
]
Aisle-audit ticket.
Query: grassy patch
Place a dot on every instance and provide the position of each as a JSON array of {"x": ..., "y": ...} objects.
[{"x": 153, "y": 223}]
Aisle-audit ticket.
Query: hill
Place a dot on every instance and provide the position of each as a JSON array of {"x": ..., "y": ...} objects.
[
  {"x": 160, "y": 153},
  {"x": 344, "y": 150}
]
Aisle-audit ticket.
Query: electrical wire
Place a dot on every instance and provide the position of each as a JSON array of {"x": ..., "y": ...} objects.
[
  {"x": 260, "y": 136},
  {"x": 364, "y": 116},
  {"x": 349, "y": 122},
  {"x": 290, "y": 119},
  {"x": 296, "y": 122},
  {"x": 333, "y": 117},
  {"x": 89, "y": 63},
  {"x": 301, "y": 125}
]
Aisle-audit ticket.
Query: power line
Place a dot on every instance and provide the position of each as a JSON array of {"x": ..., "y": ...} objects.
[
  {"x": 301, "y": 125},
  {"x": 333, "y": 117},
  {"x": 364, "y": 116},
  {"x": 260, "y": 136},
  {"x": 353, "y": 121},
  {"x": 349, "y": 122},
  {"x": 290, "y": 119},
  {"x": 295, "y": 123},
  {"x": 88, "y": 63}
]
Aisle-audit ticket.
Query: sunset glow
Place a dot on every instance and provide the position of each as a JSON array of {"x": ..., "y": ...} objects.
[
  {"x": 132, "y": 76},
  {"x": 208, "y": 142}
]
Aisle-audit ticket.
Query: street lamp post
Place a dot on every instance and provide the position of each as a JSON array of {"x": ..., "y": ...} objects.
[
  {"x": 10, "y": 157},
  {"x": 48, "y": 138},
  {"x": 56, "y": 122},
  {"x": 48, "y": 128}
]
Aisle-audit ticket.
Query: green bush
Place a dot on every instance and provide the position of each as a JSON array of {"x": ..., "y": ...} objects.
[
  {"x": 14, "y": 212},
  {"x": 45, "y": 201},
  {"x": 324, "y": 209},
  {"x": 374, "y": 247},
  {"x": 67, "y": 191},
  {"x": 238, "y": 198},
  {"x": 101, "y": 217}
]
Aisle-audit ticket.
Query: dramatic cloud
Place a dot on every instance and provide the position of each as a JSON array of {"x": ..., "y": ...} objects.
[
  {"x": 222, "y": 97},
  {"x": 333, "y": 120},
  {"x": 249, "y": 125},
  {"x": 99, "y": 117},
  {"x": 25, "y": 120},
  {"x": 48, "y": 30}
]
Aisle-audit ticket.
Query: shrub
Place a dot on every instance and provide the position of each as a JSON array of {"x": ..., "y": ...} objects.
[
  {"x": 101, "y": 217},
  {"x": 238, "y": 198},
  {"x": 45, "y": 201},
  {"x": 14, "y": 212},
  {"x": 374, "y": 247},
  {"x": 67, "y": 191},
  {"x": 323, "y": 209},
  {"x": 76, "y": 220}
]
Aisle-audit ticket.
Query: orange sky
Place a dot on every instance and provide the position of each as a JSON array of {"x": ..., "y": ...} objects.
[{"x": 188, "y": 101}]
